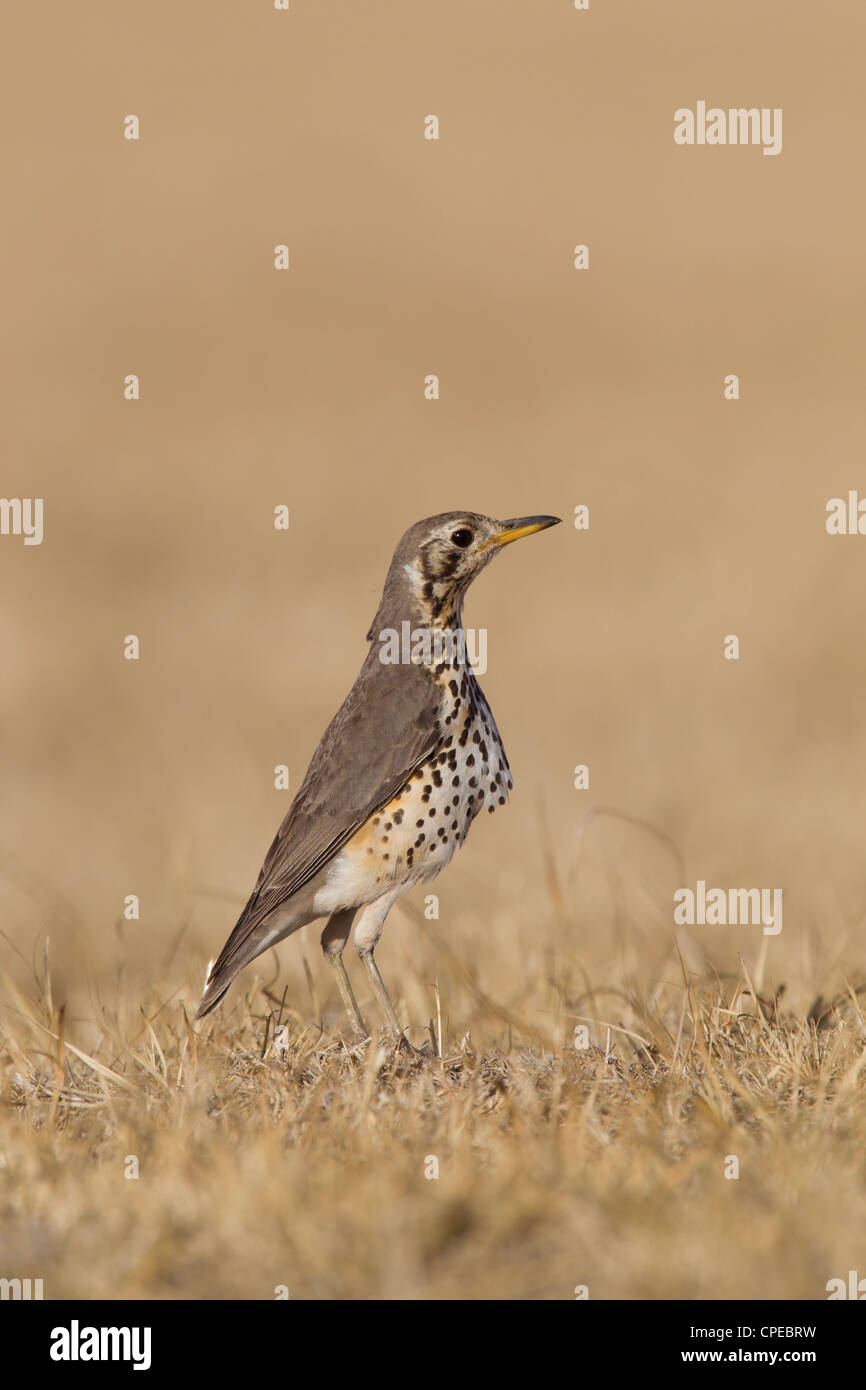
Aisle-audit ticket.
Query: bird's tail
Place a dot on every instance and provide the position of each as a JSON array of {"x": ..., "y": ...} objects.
[
  {"x": 213, "y": 994},
  {"x": 229, "y": 963},
  {"x": 258, "y": 928}
]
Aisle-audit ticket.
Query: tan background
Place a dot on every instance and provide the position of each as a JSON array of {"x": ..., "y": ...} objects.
[{"x": 306, "y": 388}]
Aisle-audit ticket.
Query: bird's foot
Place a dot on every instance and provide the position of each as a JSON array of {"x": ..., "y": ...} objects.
[{"x": 404, "y": 1048}]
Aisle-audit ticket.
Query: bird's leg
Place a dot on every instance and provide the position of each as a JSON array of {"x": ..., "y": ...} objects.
[
  {"x": 347, "y": 995},
  {"x": 379, "y": 988},
  {"x": 334, "y": 938},
  {"x": 367, "y": 934}
]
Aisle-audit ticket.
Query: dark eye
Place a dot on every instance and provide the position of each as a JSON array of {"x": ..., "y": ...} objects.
[{"x": 462, "y": 538}]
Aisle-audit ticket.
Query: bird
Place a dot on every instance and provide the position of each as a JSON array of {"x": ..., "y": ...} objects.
[{"x": 408, "y": 762}]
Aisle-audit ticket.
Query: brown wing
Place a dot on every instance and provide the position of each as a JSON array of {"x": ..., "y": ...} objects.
[{"x": 387, "y": 725}]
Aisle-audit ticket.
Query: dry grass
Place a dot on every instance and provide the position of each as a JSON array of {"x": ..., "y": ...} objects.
[{"x": 293, "y": 1158}]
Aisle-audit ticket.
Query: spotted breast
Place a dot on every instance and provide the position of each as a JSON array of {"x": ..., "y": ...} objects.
[{"x": 416, "y": 833}]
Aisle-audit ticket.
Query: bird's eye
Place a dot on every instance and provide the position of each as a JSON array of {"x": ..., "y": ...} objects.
[{"x": 462, "y": 538}]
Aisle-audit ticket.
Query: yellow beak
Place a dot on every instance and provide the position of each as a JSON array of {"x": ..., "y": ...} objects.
[{"x": 518, "y": 527}]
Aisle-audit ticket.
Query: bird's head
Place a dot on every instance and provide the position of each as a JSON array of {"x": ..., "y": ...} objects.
[{"x": 438, "y": 558}]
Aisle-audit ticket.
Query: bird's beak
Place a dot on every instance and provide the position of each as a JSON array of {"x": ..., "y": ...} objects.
[{"x": 518, "y": 527}]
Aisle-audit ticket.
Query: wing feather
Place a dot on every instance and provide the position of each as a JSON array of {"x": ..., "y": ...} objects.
[{"x": 387, "y": 726}]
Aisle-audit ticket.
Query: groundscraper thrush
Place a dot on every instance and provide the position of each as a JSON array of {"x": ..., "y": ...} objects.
[{"x": 410, "y": 759}]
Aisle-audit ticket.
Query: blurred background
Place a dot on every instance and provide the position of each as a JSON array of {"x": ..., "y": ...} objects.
[{"x": 306, "y": 388}]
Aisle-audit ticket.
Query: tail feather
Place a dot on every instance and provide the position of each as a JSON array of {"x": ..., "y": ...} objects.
[
  {"x": 230, "y": 962},
  {"x": 212, "y": 996},
  {"x": 251, "y": 936}
]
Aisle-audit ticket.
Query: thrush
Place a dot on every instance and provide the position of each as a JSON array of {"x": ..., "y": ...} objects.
[{"x": 410, "y": 759}]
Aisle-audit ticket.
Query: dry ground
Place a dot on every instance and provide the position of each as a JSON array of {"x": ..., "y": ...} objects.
[{"x": 279, "y": 1154}]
